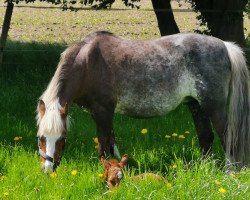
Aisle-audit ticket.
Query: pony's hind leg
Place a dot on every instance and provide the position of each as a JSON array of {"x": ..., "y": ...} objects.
[
  {"x": 203, "y": 127},
  {"x": 219, "y": 121}
]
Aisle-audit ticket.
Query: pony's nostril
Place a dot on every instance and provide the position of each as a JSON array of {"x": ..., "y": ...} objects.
[{"x": 114, "y": 183}]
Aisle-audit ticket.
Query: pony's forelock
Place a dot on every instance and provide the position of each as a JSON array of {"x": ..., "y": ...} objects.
[{"x": 51, "y": 123}]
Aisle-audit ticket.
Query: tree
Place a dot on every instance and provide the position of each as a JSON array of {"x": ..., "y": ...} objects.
[
  {"x": 224, "y": 18},
  {"x": 5, "y": 29},
  {"x": 165, "y": 17}
]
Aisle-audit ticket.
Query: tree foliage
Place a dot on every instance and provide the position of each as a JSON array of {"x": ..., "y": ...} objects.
[{"x": 71, "y": 4}]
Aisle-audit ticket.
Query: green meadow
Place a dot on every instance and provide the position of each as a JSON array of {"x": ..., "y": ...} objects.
[{"x": 39, "y": 33}]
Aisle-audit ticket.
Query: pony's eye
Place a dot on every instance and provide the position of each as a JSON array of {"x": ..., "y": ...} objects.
[
  {"x": 119, "y": 175},
  {"x": 42, "y": 139},
  {"x": 62, "y": 139}
]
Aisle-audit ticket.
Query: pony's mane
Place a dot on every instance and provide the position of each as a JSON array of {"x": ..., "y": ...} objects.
[
  {"x": 51, "y": 122},
  {"x": 61, "y": 75}
]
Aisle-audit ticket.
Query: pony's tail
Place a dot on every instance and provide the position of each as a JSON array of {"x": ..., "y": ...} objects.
[{"x": 237, "y": 141}]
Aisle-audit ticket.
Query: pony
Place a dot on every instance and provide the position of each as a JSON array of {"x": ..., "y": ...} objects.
[
  {"x": 113, "y": 172},
  {"x": 105, "y": 74}
]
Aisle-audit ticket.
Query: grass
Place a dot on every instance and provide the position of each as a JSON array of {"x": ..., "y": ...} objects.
[{"x": 36, "y": 39}]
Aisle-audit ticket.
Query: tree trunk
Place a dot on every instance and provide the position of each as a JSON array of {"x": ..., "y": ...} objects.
[
  {"x": 165, "y": 17},
  {"x": 224, "y": 18},
  {"x": 5, "y": 30}
]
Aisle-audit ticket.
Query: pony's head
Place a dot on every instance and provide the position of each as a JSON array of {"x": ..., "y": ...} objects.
[
  {"x": 113, "y": 170},
  {"x": 52, "y": 121}
]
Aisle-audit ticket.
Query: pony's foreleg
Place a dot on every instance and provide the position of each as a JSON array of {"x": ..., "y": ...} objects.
[
  {"x": 203, "y": 127},
  {"x": 106, "y": 139}
]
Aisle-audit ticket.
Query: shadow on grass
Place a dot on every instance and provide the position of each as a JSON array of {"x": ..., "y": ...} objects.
[{"x": 27, "y": 68}]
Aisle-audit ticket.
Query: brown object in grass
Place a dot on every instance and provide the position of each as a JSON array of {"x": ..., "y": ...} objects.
[{"x": 113, "y": 172}]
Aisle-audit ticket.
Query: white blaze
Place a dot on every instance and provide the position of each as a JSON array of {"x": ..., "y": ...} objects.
[{"x": 50, "y": 150}]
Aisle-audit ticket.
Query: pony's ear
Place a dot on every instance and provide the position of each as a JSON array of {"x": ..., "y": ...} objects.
[
  {"x": 64, "y": 110},
  {"x": 105, "y": 163},
  {"x": 124, "y": 160},
  {"x": 41, "y": 107}
]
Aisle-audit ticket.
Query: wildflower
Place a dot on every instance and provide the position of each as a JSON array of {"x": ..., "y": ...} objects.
[
  {"x": 217, "y": 182},
  {"x": 97, "y": 146},
  {"x": 144, "y": 131},
  {"x": 100, "y": 175},
  {"x": 167, "y": 136},
  {"x": 169, "y": 185},
  {"x": 2, "y": 177},
  {"x": 187, "y": 132},
  {"x": 174, "y": 134},
  {"x": 18, "y": 138},
  {"x": 74, "y": 172},
  {"x": 222, "y": 190},
  {"x": 174, "y": 166},
  {"x": 232, "y": 175},
  {"x": 53, "y": 175},
  {"x": 5, "y": 194},
  {"x": 181, "y": 137},
  {"x": 95, "y": 140}
]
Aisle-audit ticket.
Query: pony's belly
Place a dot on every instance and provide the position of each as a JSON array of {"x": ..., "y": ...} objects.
[
  {"x": 146, "y": 106},
  {"x": 150, "y": 100}
]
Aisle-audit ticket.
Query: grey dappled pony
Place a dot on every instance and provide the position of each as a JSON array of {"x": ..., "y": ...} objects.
[{"x": 105, "y": 74}]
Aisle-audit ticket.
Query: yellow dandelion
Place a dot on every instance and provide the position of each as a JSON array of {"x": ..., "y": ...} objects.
[
  {"x": 100, "y": 175},
  {"x": 2, "y": 177},
  {"x": 144, "y": 131},
  {"x": 169, "y": 185},
  {"x": 5, "y": 194},
  {"x": 74, "y": 172},
  {"x": 181, "y": 137},
  {"x": 53, "y": 175},
  {"x": 167, "y": 136},
  {"x": 222, "y": 190},
  {"x": 16, "y": 138},
  {"x": 174, "y": 166},
  {"x": 174, "y": 134},
  {"x": 95, "y": 140},
  {"x": 217, "y": 182},
  {"x": 232, "y": 175},
  {"x": 187, "y": 132}
]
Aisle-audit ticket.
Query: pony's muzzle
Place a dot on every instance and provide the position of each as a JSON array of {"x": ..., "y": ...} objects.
[
  {"x": 48, "y": 167},
  {"x": 50, "y": 164}
]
